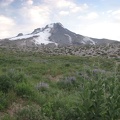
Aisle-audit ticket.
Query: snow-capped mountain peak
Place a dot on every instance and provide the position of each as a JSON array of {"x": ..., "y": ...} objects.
[
  {"x": 56, "y": 34},
  {"x": 39, "y": 35}
]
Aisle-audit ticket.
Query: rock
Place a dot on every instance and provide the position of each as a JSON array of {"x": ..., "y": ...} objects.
[{"x": 20, "y": 34}]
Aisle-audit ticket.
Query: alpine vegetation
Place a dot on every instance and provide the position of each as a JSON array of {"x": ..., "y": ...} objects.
[{"x": 39, "y": 86}]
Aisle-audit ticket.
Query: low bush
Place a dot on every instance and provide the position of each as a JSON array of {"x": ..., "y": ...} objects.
[
  {"x": 68, "y": 83},
  {"x": 6, "y": 83},
  {"x": 3, "y": 101},
  {"x": 10, "y": 79},
  {"x": 31, "y": 113},
  {"x": 16, "y": 76},
  {"x": 24, "y": 90}
]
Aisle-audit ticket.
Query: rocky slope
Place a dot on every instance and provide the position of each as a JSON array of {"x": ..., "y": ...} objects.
[{"x": 108, "y": 51}]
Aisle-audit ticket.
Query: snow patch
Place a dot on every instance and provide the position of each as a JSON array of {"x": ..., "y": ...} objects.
[
  {"x": 70, "y": 39},
  {"x": 39, "y": 41},
  {"x": 83, "y": 42},
  {"x": 21, "y": 37},
  {"x": 40, "y": 38},
  {"x": 44, "y": 36},
  {"x": 87, "y": 39}
]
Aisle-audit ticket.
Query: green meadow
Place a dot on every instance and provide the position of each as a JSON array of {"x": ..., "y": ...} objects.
[{"x": 46, "y": 87}]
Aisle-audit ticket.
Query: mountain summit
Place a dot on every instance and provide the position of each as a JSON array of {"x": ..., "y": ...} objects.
[{"x": 53, "y": 33}]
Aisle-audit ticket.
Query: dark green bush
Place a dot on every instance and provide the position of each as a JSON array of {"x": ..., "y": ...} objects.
[
  {"x": 6, "y": 83},
  {"x": 3, "y": 101},
  {"x": 24, "y": 90},
  {"x": 67, "y": 65},
  {"x": 10, "y": 79},
  {"x": 16, "y": 76}
]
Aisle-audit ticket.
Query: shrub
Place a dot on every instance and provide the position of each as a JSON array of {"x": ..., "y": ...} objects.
[
  {"x": 9, "y": 80},
  {"x": 68, "y": 82},
  {"x": 67, "y": 65},
  {"x": 24, "y": 90},
  {"x": 31, "y": 113},
  {"x": 6, "y": 83},
  {"x": 60, "y": 109},
  {"x": 16, "y": 76},
  {"x": 3, "y": 101}
]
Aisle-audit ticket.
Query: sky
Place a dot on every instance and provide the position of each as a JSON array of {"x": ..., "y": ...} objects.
[{"x": 93, "y": 18}]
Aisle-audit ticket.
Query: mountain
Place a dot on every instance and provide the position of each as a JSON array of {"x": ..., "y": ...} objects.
[{"x": 52, "y": 34}]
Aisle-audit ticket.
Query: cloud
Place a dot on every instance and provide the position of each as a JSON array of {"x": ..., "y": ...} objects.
[
  {"x": 48, "y": 11},
  {"x": 116, "y": 15},
  {"x": 80, "y": 8},
  {"x": 6, "y": 26},
  {"x": 64, "y": 13},
  {"x": 76, "y": 9},
  {"x": 4, "y": 3},
  {"x": 89, "y": 16},
  {"x": 116, "y": 12},
  {"x": 113, "y": 15},
  {"x": 29, "y": 2},
  {"x": 70, "y": 5},
  {"x": 64, "y": 4},
  {"x": 37, "y": 15},
  {"x": 101, "y": 29},
  {"x": 92, "y": 15},
  {"x": 109, "y": 11}
]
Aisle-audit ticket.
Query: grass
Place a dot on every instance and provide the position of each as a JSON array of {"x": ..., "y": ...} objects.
[{"x": 70, "y": 87}]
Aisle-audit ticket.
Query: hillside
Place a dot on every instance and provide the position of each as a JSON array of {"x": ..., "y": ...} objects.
[{"x": 37, "y": 86}]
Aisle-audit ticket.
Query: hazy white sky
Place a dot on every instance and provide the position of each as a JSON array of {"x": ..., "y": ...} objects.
[{"x": 93, "y": 18}]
